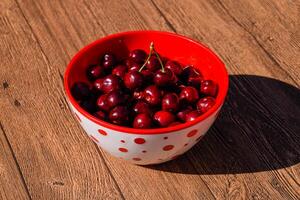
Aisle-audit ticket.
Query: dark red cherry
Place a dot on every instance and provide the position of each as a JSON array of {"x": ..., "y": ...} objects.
[
  {"x": 209, "y": 87},
  {"x": 174, "y": 66},
  {"x": 142, "y": 107},
  {"x": 138, "y": 95},
  {"x": 89, "y": 105},
  {"x": 204, "y": 104},
  {"x": 110, "y": 83},
  {"x": 182, "y": 114},
  {"x": 133, "y": 80},
  {"x": 138, "y": 56},
  {"x": 119, "y": 70},
  {"x": 153, "y": 64},
  {"x": 189, "y": 71},
  {"x": 152, "y": 95},
  {"x": 108, "y": 61},
  {"x": 114, "y": 98},
  {"x": 170, "y": 102},
  {"x": 148, "y": 75},
  {"x": 142, "y": 120},
  {"x": 102, "y": 103},
  {"x": 189, "y": 94},
  {"x": 163, "y": 78},
  {"x": 175, "y": 123},
  {"x": 80, "y": 91},
  {"x": 119, "y": 115},
  {"x": 195, "y": 81},
  {"x": 100, "y": 115},
  {"x": 163, "y": 118},
  {"x": 95, "y": 71},
  {"x": 191, "y": 116},
  {"x": 98, "y": 84}
]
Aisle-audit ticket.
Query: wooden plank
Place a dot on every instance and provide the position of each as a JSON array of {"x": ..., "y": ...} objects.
[
  {"x": 56, "y": 159},
  {"x": 11, "y": 180}
]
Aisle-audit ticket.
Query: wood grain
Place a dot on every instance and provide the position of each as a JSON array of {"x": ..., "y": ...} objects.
[{"x": 252, "y": 151}]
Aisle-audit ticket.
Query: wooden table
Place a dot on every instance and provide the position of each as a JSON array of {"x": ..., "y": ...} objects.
[{"x": 251, "y": 152}]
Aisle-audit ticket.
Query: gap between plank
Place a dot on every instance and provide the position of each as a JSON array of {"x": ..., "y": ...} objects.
[
  {"x": 256, "y": 40},
  {"x": 16, "y": 162}
]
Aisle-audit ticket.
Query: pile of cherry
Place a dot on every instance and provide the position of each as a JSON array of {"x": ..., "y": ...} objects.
[{"x": 144, "y": 91}]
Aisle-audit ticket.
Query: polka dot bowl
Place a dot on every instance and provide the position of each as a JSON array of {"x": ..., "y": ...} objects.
[{"x": 147, "y": 146}]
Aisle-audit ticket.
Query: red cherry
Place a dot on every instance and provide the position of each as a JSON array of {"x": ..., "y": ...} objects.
[
  {"x": 152, "y": 95},
  {"x": 119, "y": 115},
  {"x": 153, "y": 64},
  {"x": 95, "y": 71},
  {"x": 191, "y": 116},
  {"x": 100, "y": 115},
  {"x": 189, "y": 94},
  {"x": 108, "y": 61},
  {"x": 148, "y": 75},
  {"x": 163, "y": 118},
  {"x": 109, "y": 83},
  {"x": 204, "y": 104},
  {"x": 142, "y": 121},
  {"x": 195, "y": 81},
  {"x": 170, "y": 102},
  {"x": 138, "y": 95},
  {"x": 142, "y": 107},
  {"x": 138, "y": 56},
  {"x": 189, "y": 71},
  {"x": 115, "y": 98},
  {"x": 163, "y": 78},
  {"x": 80, "y": 91},
  {"x": 182, "y": 114},
  {"x": 119, "y": 70},
  {"x": 209, "y": 87},
  {"x": 174, "y": 66},
  {"x": 102, "y": 103},
  {"x": 133, "y": 80}
]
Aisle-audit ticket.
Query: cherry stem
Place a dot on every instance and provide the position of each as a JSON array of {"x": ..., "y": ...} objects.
[
  {"x": 150, "y": 53},
  {"x": 152, "y": 50}
]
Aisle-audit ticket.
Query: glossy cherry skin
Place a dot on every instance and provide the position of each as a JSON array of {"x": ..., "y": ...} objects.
[
  {"x": 182, "y": 114},
  {"x": 142, "y": 120},
  {"x": 189, "y": 94},
  {"x": 119, "y": 115},
  {"x": 138, "y": 95},
  {"x": 80, "y": 91},
  {"x": 174, "y": 66},
  {"x": 170, "y": 102},
  {"x": 142, "y": 107},
  {"x": 204, "y": 104},
  {"x": 100, "y": 115},
  {"x": 133, "y": 80},
  {"x": 108, "y": 83},
  {"x": 152, "y": 95},
  {"x": 209, "y": 88},
  {"x": 195, "y": 81},
  {"x": 148, "y": 75},
  {"x": 102, "y": 103},
  {"x": 163, "y": 118},
  {"x": 108, "y": 61},
  {"x": 119, "y": 70},
  {"x": 138, "y": 56},
  {"x": 191, "y": 116},
  {"x": 95, "y": 71},
  {"x": 163, "y": 78},
  {"x": 114, "y": 98},
  {"x": 153, "y": 64},
  {"x": 189, "y": 71}
]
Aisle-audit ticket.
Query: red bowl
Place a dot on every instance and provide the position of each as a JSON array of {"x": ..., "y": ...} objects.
[{"x": 176, "y": 47}]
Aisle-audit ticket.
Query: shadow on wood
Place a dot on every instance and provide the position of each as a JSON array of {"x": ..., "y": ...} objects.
[{"x": 257, "y": 130}]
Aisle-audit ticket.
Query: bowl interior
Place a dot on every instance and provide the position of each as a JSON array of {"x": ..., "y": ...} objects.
[{"x": 173, "y": 46}]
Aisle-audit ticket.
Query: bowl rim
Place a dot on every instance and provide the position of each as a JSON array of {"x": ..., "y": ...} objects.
[{"x": 219, "y": 100}]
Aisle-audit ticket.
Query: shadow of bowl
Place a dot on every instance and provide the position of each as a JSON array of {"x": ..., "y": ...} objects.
[{"x": 258, "y": 130}]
